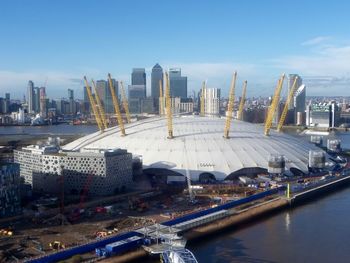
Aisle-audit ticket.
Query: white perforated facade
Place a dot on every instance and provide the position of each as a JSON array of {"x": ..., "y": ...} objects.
[{"x": 111, "y": 170}]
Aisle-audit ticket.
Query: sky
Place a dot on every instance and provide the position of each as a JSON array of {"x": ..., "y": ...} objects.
[{"x": 57, "y": 42}]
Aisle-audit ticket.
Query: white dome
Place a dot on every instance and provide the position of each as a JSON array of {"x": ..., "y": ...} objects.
[{"x": 198, "y": 145}]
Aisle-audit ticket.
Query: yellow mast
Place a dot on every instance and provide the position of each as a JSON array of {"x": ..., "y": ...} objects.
[
  {"x": 273, "y": 106},
  {"x": 116, "y": 105},
  {"x": 168, "y": 107},
  {"x": 202, "y": 109},
  {"x": 285, "y": 109},
  {"x": 161, "y": 98},
  {"x": 241, "y": 104},
  {"x": 100, "y": 107},
  {"x": 125, "y": 102},
  {"x": 93, "y": 105},
  {"x": 230, "y": 106}
]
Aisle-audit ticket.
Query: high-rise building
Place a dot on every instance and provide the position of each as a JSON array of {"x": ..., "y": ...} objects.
[
  {"x": 36, "y": 99},
  {"x": 157, "y": 75},
  {"x": 43, "y": 108},
  {"x": 70, "y": 94},
  {"x": 178, "y": 83},
  {"x": 212, "y": 101},
  {"x": 138, "y": 76},
  {"x": 7, "y": 96},
  {"x": 86, "y": 104},
  {"x": 72, "y": 105},
  {"x": 299, "y": 82},
  {"x": 136, "y": 94},
  {"x": 109, "y": 108},
  {"x": 30, "y": 96},
  {"x": 300, "y": 105}
]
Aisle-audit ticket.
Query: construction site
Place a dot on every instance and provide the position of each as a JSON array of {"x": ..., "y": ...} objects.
[{"x": 188, "y": 171}]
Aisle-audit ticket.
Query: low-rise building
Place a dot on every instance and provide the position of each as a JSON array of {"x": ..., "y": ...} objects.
[{"x": 47, "y": 168}]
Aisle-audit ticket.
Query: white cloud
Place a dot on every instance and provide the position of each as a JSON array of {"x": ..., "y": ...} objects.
[{"x": 315, "y": 40}]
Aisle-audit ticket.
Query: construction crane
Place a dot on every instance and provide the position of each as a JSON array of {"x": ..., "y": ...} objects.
[
  {"x": 161, "y": 98},
  {"x": 168, "y": 107},
  {"x": 202, "y": 110},
  {"x": 230, "y": 106},
  {"x": 93, "y": 105},
  {"x": 100, "y": 107},
  {"x": 285, "y": 109},
  {"x": 125, "y": 102},
  {"x": 116, "y": 105},
  {"x": 241, "y": 104},
  {"x": 273, "y": 106}
]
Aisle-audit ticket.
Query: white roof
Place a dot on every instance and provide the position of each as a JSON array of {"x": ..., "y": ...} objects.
[{"x": 198, "y": 145}]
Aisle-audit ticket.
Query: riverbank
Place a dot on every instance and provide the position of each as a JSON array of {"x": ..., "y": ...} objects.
[{"x": 237, "y": 218}]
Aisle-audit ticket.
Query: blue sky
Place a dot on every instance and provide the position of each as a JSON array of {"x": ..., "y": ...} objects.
[{"x": 63, "y": 40}]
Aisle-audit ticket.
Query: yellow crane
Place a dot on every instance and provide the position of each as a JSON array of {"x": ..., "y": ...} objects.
[
  {"x": 273, "y": 106},
  {"x": 285, "y": 109},
  {"x": 100, "y": 107},
  {"x": 93, "y": 105},
  {"x": 116, "y": 105},
  {"x": 241, "y": 104},
  {"x": 168, "y": 107},
  {"x": 230, "y": 106},
  {"x": 125, "y": 102},
  {"x": 161, "y": 98},
  {"x": 202, "y": 109}
]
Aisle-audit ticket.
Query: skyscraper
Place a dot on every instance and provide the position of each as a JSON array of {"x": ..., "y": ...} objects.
[
  {"x": 138, "y": 76},
  {"x": 299, "y": 82},
  {"x": 70, "y": 94},
  {"x": 178, "y": 83},
  {"x": 43, "y": 108},
  {"x": 30, "y": 96},
  {"x": 109, "y": 108},
  {"x": 300, "y": 105},
  {"x": 36, "y": 99},
  {"x": 212, "y": 101},
  {"x": 157, "y": 75}
]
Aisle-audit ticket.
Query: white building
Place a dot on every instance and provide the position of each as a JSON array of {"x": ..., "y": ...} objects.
[
  {"x": 212, "y": 101},
  {"x": 43, "y": 167}
]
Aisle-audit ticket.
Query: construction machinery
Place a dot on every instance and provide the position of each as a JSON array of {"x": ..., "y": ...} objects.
[
  {"x": 125, "y": 102},
  {"x": 273, "y": 106},
  {"x": 57, "y": 245},
  {"x": 99, "y": 105},
  {"x": 241, "y": 104},
  {"x": 168, "y": 106},
  {"x": 230, "y": 106},
  {"x": 286, "y": 106},
  {"x": 93, "y": 105},
  {"x": 76, "y": 213},
  {"x": 116, "y": 105},
  {"x": 161, "y": 98},
  {"x": 202, "y": 109}
]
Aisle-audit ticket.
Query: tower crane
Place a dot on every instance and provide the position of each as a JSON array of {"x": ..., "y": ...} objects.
[
  {"x": 125, "y": 102},
  {"x": 273, "y": 106},
  {"x": 100, "y": 107},
  {"x": 241, "y": 104},
  {"x": 285, "y": 109},
  {"x": 168, "y": 107},
  {"x": 93, "y": 105},
  {"x": 161, "y": 98},
  {"x": 230, "y": 106},
  {"x": 202, "y": 110},
  {"x": 116, "y": 105}
]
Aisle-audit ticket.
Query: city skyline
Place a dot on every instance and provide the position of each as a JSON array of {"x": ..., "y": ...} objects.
[{"x": 54, "y": 44}]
